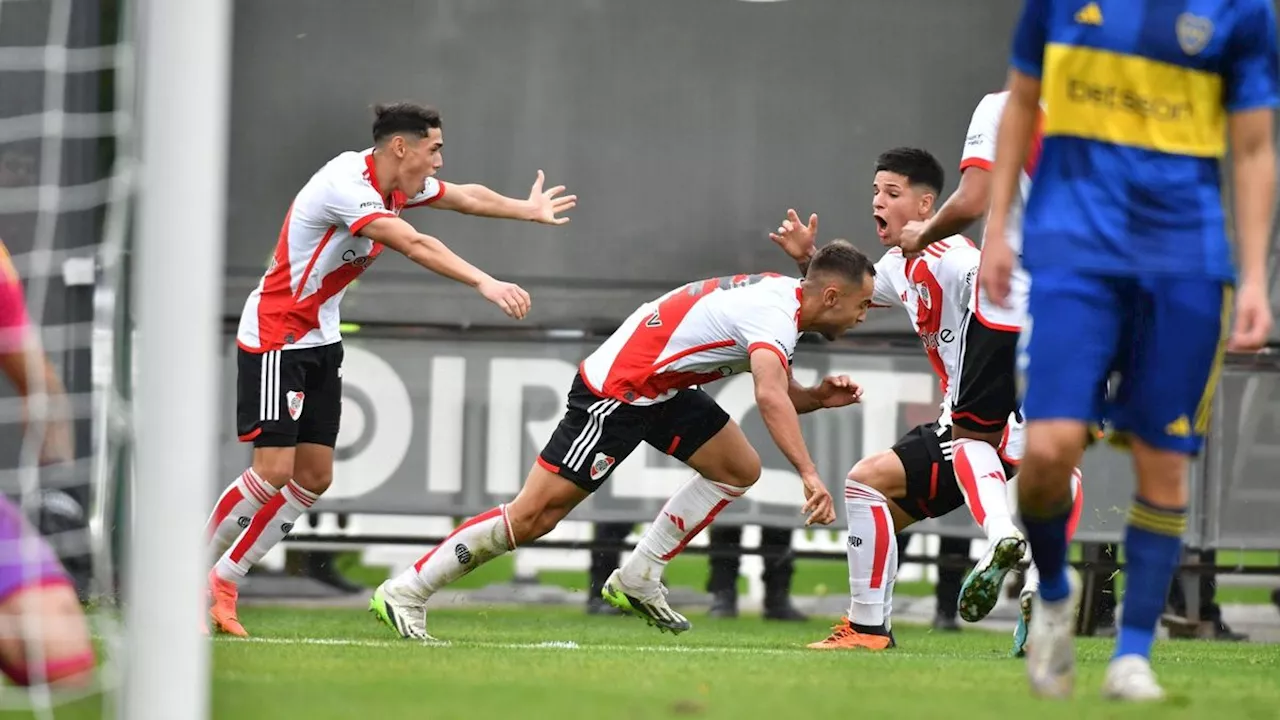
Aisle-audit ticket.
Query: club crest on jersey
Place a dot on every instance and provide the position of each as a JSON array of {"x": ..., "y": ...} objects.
[
  {"x": 293, "y": 400},
  {"x": 923, "y": 291},
  {"x": 1194, "y": 33},
  {"x": 601, "y": 465}
]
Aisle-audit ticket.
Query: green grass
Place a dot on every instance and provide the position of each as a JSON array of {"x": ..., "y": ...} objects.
[
  {"x": 341, "y": 664},
  {"x": 812, "y": 577}
]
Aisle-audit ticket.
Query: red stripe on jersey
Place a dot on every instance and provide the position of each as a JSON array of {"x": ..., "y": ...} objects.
[
  {"x": 277, "y": 295},
  {"x": 769, "y": 346},
  {"x": 929, "y": 316},
  {"x": 439, "y": 194},
  {"x": 637, "y": 360},
  {"x": 980, "y": 163}
]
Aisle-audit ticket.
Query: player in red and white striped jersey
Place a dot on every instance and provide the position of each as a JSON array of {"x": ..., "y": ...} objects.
[
  {"x": 927, "y": 473},
  {"x": 289, "y": 395},
  {"x": 643, "y": 385}
]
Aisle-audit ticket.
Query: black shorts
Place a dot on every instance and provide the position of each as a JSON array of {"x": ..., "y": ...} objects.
[
  {"x": 286, "y": 397},
  {"x": 932, "y": 490},
  {"x": 986, "y": 392},
  {"x": 596, "y": 433}
]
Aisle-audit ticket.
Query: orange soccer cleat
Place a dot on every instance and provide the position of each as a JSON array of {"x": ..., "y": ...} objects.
[
  {"x": 223, "y": 612},
  {"x": 844, "y": 637}
]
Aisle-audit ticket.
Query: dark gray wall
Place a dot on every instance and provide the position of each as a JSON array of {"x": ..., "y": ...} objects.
[{"x": 686, "y": 128}]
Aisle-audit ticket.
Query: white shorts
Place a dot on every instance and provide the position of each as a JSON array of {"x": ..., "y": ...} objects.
[{"x": 1011, "y": 318}]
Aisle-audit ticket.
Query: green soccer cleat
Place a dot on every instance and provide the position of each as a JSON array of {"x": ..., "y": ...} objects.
[
  {"x": 405, "y": 615},
  {"x": 651, "y": 607},
  {"x": 981, "y": 588}
]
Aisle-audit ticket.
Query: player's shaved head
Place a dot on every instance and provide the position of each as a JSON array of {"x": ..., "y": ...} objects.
[
  {"x": 416, "y": 121},
  {"x": 918, "y": 166},
  {"x": 840, "y": 259},
  {"x": 837, "y": 290}
]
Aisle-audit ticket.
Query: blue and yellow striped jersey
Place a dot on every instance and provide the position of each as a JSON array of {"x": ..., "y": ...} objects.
[{"x": 1136, "y": 96}]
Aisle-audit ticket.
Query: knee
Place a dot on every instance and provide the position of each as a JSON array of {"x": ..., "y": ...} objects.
[
  {"x": 1050, "y": 453},
  {"x": 742, "y": 469},
  {"x": 316, "y": 480},
  {"x": 276, "y": 469},
  {"x": 871, "y": 471},
  {"x": 531, "y": 519}
]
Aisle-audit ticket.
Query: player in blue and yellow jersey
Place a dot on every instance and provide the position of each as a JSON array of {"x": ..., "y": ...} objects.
[{"x": 1131, "y": 272}]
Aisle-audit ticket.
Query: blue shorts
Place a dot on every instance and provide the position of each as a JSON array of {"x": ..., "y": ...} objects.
[{"x": 1163, "y": 338}]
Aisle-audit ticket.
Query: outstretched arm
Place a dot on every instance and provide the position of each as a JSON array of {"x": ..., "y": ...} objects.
[
  {"x": 435, "y": 256},
  {"x": 541, "y": 206},
  {"x": 967, "y": 204}
]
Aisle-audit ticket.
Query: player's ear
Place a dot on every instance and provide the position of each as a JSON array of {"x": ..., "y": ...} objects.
[
  {"x": 830, "y": 296},
  {"x": 926, "y": 202}
]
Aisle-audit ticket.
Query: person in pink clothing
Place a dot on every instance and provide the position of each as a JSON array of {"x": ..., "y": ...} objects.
[{"x": 44, "y": 637}]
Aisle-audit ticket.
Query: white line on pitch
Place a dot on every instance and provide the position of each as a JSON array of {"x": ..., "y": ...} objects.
[{"x": 555, "y": 645}]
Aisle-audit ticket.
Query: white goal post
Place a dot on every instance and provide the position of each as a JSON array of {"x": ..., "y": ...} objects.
[{"x": 184, "y": 65}]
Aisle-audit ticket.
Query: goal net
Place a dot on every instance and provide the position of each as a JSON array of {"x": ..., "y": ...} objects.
[{"x": 112, "y": 144}]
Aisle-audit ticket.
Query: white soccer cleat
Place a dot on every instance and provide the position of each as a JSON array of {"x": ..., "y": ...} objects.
[
  {"x": 981, "y": 589},
  {"x": 401, "y": 610},
  {"x": 1130, "y": 678},
  {"x": 648, "y": 603},
  {"x": 1051, "y": 652}
]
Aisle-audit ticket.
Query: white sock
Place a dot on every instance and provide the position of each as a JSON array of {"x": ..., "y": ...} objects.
[
  {"x": 893, "y": 579},
  {"x": 980, "y": 475},
  {"x": 686, "y": 514},
  {"x": 234, "y": 510},
  {"x": 470, "y": 545},
  {"x": 873, "y": 553},
  {"x": 269, "y": 526},
  {"x": 1032, "y": 581}
]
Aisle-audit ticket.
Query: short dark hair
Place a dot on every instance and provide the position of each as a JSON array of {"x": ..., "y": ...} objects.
[
  {"x": 840, "y": 257},
  {"x": 918, "y": 166},
  {"x": 403, "y": 119}
]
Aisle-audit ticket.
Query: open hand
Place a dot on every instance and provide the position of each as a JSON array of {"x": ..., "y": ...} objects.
[
  {"x": 996, "y": 268},
  {"x": 545, "y": 205},
  {"x": 796, "y": 238}
]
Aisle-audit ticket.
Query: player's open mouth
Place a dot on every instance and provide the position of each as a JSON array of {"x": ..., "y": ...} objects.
[{"x": 882, "y": 227}]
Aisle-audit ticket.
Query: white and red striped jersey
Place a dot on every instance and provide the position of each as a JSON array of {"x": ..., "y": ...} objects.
[
  {"x": 695, "y": 334},
  {"x": 980, "y": 151},
  {"x": 319, "y": 253},
  {"x": 934, "y": 289}
]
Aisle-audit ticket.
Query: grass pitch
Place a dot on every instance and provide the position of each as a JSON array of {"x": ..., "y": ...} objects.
[{"x": 557, "y": 662}]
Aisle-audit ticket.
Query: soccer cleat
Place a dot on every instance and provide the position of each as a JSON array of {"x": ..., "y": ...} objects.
[
  {"x": 651, "y": 606},
  {"x": 1129, "y": 677},
  {"x": 401, "y": 612},
  {"x": 1051, "y": 652},
  {"x": 1025, "y": 599},
  {"x": 845, "y": 637},
  {"x": 223, "y": 612},
  {"x": 981, "y": 588}
]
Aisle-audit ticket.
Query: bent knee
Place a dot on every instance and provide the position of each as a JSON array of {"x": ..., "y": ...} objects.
[
  {"x": 744, "y": 468},
  {"x": 314, "y": 480},
  {"x": 881, "y": 472}
]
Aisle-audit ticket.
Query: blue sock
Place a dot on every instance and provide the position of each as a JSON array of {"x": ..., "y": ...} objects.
[
  {"x": 1047, "y": 536},
  {"x": 1152, "y": 548}
]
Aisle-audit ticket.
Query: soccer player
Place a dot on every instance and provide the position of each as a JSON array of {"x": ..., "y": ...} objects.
[
  {"x": 1125, "y": 240},
  {"x": 998, "y": 326},
  {"x": 289, "y": 394},
  {"x": 38, "y": 603},
  {"x": 920, "y": 476},
  {"x": 643, "y": 385}
]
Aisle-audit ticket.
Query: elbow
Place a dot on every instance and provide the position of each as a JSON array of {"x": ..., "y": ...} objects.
[{"x": 771, "y": 401}]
